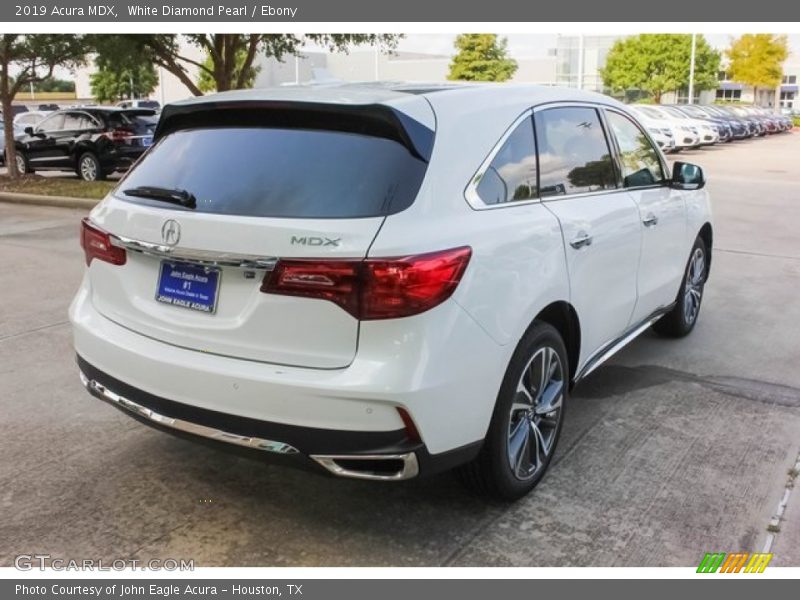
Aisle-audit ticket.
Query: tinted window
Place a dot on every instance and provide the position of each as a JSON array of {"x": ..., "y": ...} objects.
[
  {"x": 512, "y": 174},
  {"x": 639, "y": 160},
  {"x": 573, "y": 152},
  {"x": 52, "y": 123},
  {"x": 273, "y": 172}
]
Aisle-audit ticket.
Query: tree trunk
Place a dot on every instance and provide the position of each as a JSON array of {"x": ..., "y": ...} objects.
[
  {"x": 8, "y": 124},
  {"x": 755, "y": 96},
  {"x": 657, "y": 97}
]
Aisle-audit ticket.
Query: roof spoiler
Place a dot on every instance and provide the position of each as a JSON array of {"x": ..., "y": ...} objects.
[{"x": 377, "y": 120}]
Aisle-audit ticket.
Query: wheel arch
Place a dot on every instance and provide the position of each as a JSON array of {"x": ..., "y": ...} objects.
[
  {"x": 706, "y": 234},
  {"x": 562, "y": 315}
]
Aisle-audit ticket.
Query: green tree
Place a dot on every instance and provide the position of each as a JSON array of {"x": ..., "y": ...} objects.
[
  {"x": 756, "y": 59},
  {"x": 481, "y": 57},
  {"x": 227, "y": 68},
  {"x": 52, "y": 84},
  {"x": 659, "y": 63},
  {"x": 116, "y": 80},
  {"x": 33, "y": 58},
  {"x": 208, "y": 84}
]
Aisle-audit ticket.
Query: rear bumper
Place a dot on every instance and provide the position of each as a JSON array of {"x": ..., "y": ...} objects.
[
  {"x": 440, "y": 367},
  {"x": 372, "y": 455}
]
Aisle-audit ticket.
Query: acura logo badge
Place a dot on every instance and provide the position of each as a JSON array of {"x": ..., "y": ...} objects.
[{"x": 171, "y": 232}]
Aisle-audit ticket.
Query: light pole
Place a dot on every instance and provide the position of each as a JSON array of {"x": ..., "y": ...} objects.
[{"x": 691, "y": 69}]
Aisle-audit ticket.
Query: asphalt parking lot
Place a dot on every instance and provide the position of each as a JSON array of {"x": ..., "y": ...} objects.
[{"x": 673, "y": 449}]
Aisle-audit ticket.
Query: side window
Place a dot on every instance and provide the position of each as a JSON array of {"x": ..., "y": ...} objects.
[
  {"x": 639, "y": 160},
  {"x": 73, "y": 121},
  {"x": 511, "y": 176},
  {"x": 87, "y": 122},
  {"x": 573, "y": 152},
  {"x": 52, "y": 123}
]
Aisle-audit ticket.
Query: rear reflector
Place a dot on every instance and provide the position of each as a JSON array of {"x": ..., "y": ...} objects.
[
  {"x": 96, "y": 243},
  {"x": 408, "y": 423},
  {"x": 381, "y": 288}
]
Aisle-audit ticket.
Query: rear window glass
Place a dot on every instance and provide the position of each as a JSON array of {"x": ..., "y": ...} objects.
[{"x": 273, "y": 172}]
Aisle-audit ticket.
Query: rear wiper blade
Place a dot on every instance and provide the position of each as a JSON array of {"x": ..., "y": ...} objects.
[{"x": 175, "y": 196}]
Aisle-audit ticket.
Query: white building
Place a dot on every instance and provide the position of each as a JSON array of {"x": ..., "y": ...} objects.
[{"x": 373, "y": 65}]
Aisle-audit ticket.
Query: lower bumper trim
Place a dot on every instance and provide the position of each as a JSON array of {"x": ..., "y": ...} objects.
[
  {"x": 390, "y": 467},
  {"x": 99, "y": 390}
]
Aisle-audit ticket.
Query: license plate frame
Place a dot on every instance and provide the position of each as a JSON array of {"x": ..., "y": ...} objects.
[{"x": 174, "y": 286}]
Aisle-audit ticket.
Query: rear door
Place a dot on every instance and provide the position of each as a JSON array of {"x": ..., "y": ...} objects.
[
  {"x": 266, "y": 187},
  {"x": 599, "y": 222},
  {"x": 662, "y": 212},
  {"x": 41, "y": 147}
]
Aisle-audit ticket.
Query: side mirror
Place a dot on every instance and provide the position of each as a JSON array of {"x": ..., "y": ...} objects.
[
  {"x": 29, "y": 130},
  {"x": 686, "y": 176}
]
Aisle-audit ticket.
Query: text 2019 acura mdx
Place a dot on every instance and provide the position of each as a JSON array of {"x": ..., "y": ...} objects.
[{"x": 382, "y": 282}]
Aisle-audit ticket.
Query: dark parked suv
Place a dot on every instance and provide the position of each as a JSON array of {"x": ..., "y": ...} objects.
[{"x": 93, "y": 142}]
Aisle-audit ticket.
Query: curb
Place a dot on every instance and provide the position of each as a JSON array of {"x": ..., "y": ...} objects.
[{"x": 58, "y": 201}]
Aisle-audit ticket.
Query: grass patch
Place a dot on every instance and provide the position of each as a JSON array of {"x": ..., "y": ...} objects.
[{"x": 56, "y": 186}]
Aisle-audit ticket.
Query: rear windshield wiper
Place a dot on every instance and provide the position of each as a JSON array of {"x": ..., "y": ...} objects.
[{"x": 174, "y": 196}]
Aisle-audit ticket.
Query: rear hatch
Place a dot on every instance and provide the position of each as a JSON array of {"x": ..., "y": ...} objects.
[{"x": 246, "y": 184}]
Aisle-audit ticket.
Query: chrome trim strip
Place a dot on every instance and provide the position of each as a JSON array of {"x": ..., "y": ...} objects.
[
  {"x": 410, "y": 466},
  {"x": 200, "y": 257},
  {"x": 102, "y": 392},
  {"x": 614, "y": 346}
]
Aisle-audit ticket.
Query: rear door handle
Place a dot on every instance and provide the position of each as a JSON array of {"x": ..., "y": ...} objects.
[
  {"x": 583, "y": 239},
  {"x": 650, "y": 220}
]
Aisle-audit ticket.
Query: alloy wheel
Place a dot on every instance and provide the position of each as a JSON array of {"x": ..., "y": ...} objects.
[
  {"x": 88, "y": 169},
  {"x": 20, "y": 160},
  {"x": 535, "y": 414},
  {"x": 693, "y": 289}
]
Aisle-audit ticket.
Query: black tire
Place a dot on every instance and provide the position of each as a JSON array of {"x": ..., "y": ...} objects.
[
  {"x": 23, "y": 164},
  {"x": 89, "y": 168},
  {"x": 680, "y": 321},
  {"x": 491, "y": 473}
]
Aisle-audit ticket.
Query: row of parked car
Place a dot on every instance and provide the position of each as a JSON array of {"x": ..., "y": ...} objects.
[
  {"x": 92, "y": 141},
  {"x": 682, "y": 126}
]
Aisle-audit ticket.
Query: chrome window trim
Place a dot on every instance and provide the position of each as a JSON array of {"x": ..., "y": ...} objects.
[
  {"x": 199, "y": 257},
  {"x": 471, "y": 192}
]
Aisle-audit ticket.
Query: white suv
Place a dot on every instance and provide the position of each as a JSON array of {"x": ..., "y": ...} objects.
[{"x": 385, "y": 281}]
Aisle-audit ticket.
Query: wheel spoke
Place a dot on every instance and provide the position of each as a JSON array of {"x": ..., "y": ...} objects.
[
  {"x": 551, "y": 398},
  {"x": 538, "y": 444},
  {"x": 544, "y": 373},
  {"x": 521, "y": 389},
  {"x": 517, "y": 445}
]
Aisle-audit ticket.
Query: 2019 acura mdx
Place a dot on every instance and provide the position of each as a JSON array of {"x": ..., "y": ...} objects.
[{"x": 382, "y": 282}]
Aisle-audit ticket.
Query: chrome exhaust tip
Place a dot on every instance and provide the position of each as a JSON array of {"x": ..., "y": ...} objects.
[{"x": 375, "y": 467}]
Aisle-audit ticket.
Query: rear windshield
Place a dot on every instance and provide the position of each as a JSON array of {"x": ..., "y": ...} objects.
[{"x": 274, "y": 172}]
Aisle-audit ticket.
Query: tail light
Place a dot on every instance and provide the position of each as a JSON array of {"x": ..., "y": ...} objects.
[
  {"x": 385, "y": 288},
  {"x": 96, "y": 243},
  {"x": 120, "y": 134}
]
